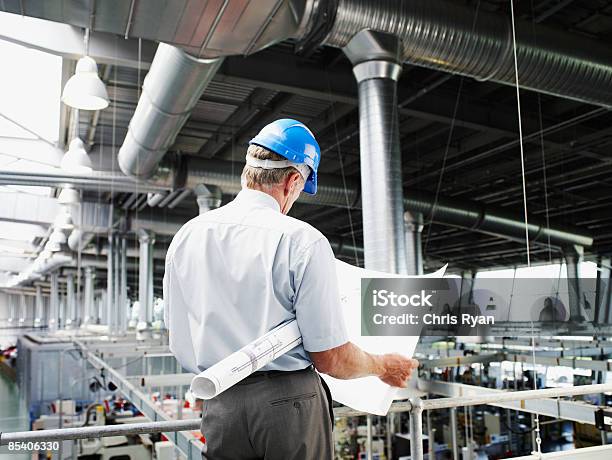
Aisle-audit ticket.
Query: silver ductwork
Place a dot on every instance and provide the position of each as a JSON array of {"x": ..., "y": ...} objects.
[
  {"x": 170, "y": 92},
  {"x": 377, "y": 70},
  {"x": 443, "y": 210},
  {"x": 455, "y": 212},
  {"x": 452, "y": 37}
]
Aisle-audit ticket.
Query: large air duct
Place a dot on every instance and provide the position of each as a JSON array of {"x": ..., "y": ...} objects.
[
  {"x": 170, "y": 92},
  {"x": 452, "y": 37},
  {"x": 455, "y": 212},
  {"x": 377, "y": 69}
]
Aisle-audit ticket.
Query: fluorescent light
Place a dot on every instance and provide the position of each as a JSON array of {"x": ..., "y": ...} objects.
[
  {"x": 76, "y": 159},
  {"x": 84, "y": 90}
]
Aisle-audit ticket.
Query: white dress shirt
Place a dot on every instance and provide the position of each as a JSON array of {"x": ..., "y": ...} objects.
[{"x": 235, "y": 273}]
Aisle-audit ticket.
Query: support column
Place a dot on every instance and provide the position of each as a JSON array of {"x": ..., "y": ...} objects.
[
  {"x": 117, "y": 284},
  {"x": 453, "y": 429},
  {"x": 23, "y": 310},
  {"x": 88, "y": 296},
  {"x": 390, "y": 428},
  {"x": 369, "y": 437},
  {"x": 573, "y": 257},
  {"x": 39, "y": 309},
  {"x": 70, "y": 302},
  {"x": 145, "y": 279},
  {"x": 123, "y": 298},
  {"x": 414, "y": 248},
  {"x": 53, "y": 302},
  {"x": 12, "y": 313},
  {"x": 603, "y": 302},
  {"x": 416, "y": 429},
  {"x": 110, "y": 284},
  {"x": 376, "y": 59}
]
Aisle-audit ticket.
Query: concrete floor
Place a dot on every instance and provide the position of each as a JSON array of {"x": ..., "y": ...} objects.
[{"x": 13, "y": 414}]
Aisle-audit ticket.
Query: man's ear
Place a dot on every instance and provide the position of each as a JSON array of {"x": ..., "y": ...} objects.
[{"x": 291, "y": 180}]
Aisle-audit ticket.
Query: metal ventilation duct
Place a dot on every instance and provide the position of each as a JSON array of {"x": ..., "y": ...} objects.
[
  {"x": 377, "y": 69},
  {"x": 203, "y": 28},
  {"x": 448, "y": 211},
  {"x": 331, "y": 192},
  {"x": 170, "y": 92},
  {"x": 448, "y": 36}
]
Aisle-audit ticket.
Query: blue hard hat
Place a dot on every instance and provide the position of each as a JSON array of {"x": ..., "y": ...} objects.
[{"x": 294, "y": 141}]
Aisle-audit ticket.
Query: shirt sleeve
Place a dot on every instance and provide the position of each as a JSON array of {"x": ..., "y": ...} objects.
[
  {"x": 166, "y": 293},
  {"x": 317, "y": 300}
]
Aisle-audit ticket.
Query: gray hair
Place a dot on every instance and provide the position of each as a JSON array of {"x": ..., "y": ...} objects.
[{"x": 253, "y": 177}]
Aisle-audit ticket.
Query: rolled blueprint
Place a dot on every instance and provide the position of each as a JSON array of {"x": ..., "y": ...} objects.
[{"x": 252, "y": 357}]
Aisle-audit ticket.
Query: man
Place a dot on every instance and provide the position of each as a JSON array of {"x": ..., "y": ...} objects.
[{"x": 237, "y": 272}]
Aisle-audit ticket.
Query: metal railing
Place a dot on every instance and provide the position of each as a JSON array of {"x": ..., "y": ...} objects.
[{"x": 415, "y": 406}]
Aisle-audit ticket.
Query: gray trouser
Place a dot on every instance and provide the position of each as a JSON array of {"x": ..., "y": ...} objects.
[{"x": 282, "y": 416}]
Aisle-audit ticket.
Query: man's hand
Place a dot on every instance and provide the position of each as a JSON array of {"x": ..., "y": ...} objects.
[
  {"x": 396, "y": 369},
  {"x": 348, "y": 361}
]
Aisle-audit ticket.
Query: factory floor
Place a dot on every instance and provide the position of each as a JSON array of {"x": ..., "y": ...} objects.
[{"x": 13, "y": 414}]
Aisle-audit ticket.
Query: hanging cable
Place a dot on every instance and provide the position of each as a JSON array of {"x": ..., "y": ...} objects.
[
  {"x": 341, "y": 162},
  {"x": 538, "y": 439},
  {"x": 520, "y": 127}
]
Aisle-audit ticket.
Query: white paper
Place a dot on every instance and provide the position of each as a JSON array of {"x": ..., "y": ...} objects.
[
  {"x": 250, "y": 358},
  {"x": 367, "y": 394}
]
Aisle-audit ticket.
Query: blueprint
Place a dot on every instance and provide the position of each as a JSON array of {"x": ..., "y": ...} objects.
[
  {"x": 250, "y": 358},
  {"x": 368, "y": 394}
]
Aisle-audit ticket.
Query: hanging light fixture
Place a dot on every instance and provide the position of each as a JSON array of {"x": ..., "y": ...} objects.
[
  {"x": 76, "y": 159},
  {"x": 69, "y": 195},
  {"x": 85, "y": 90}
]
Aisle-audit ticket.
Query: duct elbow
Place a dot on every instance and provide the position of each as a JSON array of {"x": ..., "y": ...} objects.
[{"x": 78, "y": 239}]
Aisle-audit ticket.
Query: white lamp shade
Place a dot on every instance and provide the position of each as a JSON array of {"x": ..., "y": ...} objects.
[
  {"x": 76, "y": 159},
  {"x": 84, "y": 90},
  {"x": 69, "y": 196}
]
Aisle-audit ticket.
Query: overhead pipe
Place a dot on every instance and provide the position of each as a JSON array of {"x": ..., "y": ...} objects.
[
  {"x": 170, "y": 92},
  {"x": 455, "y": 212},
  {"x": 452, "y": 37},
  {"x": 331, "y": 191},
  {"x": 377, "y": 69}
]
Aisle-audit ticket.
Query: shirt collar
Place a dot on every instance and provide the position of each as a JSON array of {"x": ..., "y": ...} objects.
[{"x": 257, "y": 198}]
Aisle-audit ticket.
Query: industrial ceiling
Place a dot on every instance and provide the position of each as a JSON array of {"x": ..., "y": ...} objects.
[{"x": 459, "y": 136}]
